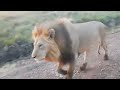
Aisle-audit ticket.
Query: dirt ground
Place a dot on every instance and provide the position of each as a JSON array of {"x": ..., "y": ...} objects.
[{"x": 97, "y": 67}]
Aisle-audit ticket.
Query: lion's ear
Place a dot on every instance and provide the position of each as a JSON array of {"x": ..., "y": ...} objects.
[{"x": 51, "y": 33}]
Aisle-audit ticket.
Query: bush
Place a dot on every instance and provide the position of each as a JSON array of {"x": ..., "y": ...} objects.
[{"x": 20, "y": 27}]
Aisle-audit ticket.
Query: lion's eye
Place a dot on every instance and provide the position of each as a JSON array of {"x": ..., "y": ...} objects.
[{"x": 40, "y": 45}]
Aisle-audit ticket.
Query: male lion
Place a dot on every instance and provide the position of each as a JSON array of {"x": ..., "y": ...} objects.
[{"x": 59, "y": 41}]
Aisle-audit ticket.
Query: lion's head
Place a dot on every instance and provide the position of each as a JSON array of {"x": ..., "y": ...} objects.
[{"x": 45, "y": 47}]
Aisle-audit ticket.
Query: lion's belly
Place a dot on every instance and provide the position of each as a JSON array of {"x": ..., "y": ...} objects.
[
  {"x": 84, "y": 41},
  {"x": 89, "y": 42}
]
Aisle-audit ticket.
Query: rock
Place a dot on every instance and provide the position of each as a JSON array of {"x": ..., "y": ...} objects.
[
  {"x": 112, "y": 23},
  {"x": 5, "y": 48},
  {"x": 13, "y": 52}
]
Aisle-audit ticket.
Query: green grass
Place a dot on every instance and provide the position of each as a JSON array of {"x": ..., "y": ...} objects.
[
  {"x": 20, "y": 27},
  {"x": 99, "y": 16}
]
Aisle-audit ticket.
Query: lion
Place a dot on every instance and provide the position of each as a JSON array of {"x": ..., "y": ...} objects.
[{"x": 61, "y": 40}]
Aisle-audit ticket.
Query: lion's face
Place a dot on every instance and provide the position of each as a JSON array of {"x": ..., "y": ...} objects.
[
  {"x": 41, "y": 47},
  {"x": 44, "y": 44}
]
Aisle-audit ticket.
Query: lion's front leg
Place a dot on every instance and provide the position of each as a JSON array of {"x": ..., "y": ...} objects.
[
  {"x": 60, "y": 70},
  {"x": 70, "y": 71}
]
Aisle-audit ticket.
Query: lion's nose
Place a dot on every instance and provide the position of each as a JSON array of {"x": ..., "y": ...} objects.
[{"x": 33, "y": 56}]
